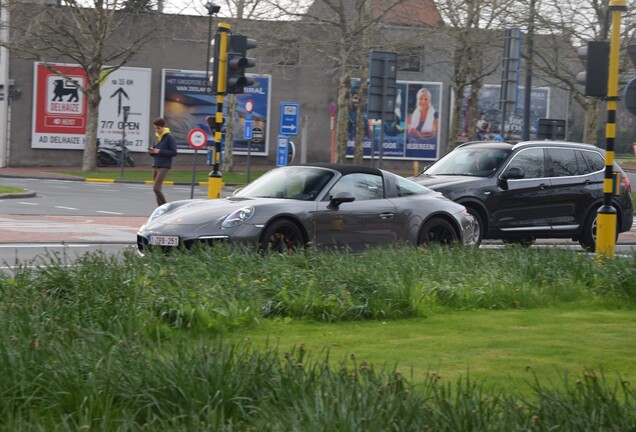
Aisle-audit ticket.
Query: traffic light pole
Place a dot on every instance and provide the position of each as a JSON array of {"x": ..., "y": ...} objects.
[
  {"x": 606, "y": 217},
  {"x": 215, "y": 179}
]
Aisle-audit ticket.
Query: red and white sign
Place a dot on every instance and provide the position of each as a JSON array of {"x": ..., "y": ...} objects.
[
  {"x": 249, "y": 106},
  {"x": 197, "y": 138},
  {"x": 61, "y": 109},
  {"x": 59, "y": 117}
]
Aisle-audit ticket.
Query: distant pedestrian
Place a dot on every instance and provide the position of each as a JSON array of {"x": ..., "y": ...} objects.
[{"x": 163, "y": 151}]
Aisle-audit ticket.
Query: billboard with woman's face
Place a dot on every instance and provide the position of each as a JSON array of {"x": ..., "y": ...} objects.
[{"x": 414, "y": 131}]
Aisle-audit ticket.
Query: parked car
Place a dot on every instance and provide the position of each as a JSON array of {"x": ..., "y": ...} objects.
[
  {"x": 529, "y": 190},
  {"x": 326, "y": 206}
]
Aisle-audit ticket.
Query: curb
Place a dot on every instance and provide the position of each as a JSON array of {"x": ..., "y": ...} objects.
[{"x": 27, "y": 194}]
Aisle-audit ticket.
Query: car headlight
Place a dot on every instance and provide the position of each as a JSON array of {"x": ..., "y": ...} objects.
[
  {"x": 159, "y": 211},
  {"x": 237, "y": 217}
]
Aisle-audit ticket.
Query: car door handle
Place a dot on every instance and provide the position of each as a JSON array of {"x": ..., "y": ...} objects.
[
  {"x": 385, "y": 216},
  {"x": 543, "y": 186}
]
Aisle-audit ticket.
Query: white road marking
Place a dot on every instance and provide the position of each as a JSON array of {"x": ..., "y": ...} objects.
[
  {"x": 109, "y": 212},
  {"x": 66, "y": 208}
]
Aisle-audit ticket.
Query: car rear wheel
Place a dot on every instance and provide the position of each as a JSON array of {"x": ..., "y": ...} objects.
[
  {"x": 588, "y": 235},
  {"x": 282, "y": 236},
  {"x": 437, "y": 230}
]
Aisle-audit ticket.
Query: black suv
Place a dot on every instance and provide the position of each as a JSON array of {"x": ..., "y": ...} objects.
[{"x": 535, "y": 189}]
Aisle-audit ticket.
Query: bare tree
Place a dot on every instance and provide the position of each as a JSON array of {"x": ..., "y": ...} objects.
[
  {"x": 346, "y": 29},
  {"x": 567, "y": 25},
  {"x": 98, "y": 37},
  {"x": 476, "y": 43}
]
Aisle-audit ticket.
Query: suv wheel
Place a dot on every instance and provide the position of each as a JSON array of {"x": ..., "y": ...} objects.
[
  {"x": 588, "y": 235},
  {"x": 480, "y": 227}
]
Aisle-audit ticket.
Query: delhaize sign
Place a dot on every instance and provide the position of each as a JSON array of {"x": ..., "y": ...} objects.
[{"x": 59, "y": 117}]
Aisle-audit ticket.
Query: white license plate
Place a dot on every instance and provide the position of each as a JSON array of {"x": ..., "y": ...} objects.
[{"x": 161, "y": 240}]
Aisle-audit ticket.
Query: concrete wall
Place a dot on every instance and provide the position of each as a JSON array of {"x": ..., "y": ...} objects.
[{"x": 183, "y": 45}]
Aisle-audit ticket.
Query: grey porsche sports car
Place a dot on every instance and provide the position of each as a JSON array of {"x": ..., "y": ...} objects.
[{"x": 327, "y": 206}]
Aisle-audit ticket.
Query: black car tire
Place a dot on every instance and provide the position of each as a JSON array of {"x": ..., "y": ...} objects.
[
  {"x": 588, "y": 235},
  {"x": 282, "y": 236},
  {"x": 437, "y": 230}
]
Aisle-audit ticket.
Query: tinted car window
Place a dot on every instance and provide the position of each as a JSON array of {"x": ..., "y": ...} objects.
[
  {"x": 595, "y": 160},
  {"x": 564, "y": 163},
  {"x": 531, "y": 161},
  {"x": 362, "y": 186},
  {"x": 407, "y": 187}
]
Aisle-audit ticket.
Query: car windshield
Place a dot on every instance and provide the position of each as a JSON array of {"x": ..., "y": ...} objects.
[
  {"x": 299, "y": 183},
  {"x": 477, "y": 162}
]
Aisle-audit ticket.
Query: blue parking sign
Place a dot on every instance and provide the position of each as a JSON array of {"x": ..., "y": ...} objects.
[
  {"x": 247, "y": 130},
  {"x": 282, "y": 151},
  {"x": 289, "y": 115}
]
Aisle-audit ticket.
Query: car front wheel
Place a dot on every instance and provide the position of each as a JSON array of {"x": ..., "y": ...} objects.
[
  {"x": 437, "y": 230},
  {"x": 480, "y": 228},
  {"x": 282, "y": 236}
]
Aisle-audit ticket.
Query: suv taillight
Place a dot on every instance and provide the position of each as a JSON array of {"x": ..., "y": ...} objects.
[{"x": 627, "y": 184}]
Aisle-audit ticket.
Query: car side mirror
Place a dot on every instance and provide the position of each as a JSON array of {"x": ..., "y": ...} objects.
[
  {"x": 341, "y": 197},
  {"x": 510, "y": 174},
  {"x": 513, "y": 173}
]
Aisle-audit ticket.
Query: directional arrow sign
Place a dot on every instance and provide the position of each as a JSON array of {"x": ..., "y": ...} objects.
[{"x": 289, "y": 115}]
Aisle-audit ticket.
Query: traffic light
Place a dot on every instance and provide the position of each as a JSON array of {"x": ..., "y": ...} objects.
[
  {"x": 596, "y": 58},
  {"x": 629, "y": 92},
  {"x": 237, "y": 62}
]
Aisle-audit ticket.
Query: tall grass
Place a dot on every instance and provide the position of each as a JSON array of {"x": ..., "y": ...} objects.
[{"x": 130, "y": 343}]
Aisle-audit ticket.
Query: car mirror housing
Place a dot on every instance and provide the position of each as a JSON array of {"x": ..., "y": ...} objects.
[
  {"x": 341, "y": 197},
  {"x": 513, "y": 173}
]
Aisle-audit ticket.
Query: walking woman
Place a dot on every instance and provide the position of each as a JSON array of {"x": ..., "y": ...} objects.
[{"x": 163, "y": 151}]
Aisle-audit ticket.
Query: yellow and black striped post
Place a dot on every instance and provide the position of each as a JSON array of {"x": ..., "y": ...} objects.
[
  {"x": 607, "y": 217},
  {"x": 221, "y": 39}
]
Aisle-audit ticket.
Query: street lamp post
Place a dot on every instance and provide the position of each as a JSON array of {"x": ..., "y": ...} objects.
[
  {"x": 212, "y": 9},
  {"x": 529, "y": 60},
  {"x": 126, "y": 111}
]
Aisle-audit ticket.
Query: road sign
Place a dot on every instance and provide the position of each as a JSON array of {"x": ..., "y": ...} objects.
[
  {"x": 289, "y": 115},
  {"x": 197, "y": 138},
  {"x": 249, "y": 106},
  {"x": 247, "y": 129},
  {"x": 282, "y": 151},
  {"x": 257, "y": 135}
]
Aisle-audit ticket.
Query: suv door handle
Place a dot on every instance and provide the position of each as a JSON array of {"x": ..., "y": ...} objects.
[
  {"x": 385, "y": 216},
  {"x": 543, "y": 185}
]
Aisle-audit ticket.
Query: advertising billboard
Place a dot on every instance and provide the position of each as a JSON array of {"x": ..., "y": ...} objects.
[
  {"x": 61, "y": 111},
  {"x": 414, "y": 132},
  {"x": 188, "y": 100}
]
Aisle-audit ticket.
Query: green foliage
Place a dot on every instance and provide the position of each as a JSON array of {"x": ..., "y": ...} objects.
[{"x": 131, "y": 343}]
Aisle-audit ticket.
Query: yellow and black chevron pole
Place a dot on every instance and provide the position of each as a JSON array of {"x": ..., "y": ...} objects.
[
  {"x": 221, "y": 41},
  {"x": 606, "y": 217}
]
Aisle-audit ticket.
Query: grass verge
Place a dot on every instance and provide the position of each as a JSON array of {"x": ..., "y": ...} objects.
[{"x": 395, "y": 339}]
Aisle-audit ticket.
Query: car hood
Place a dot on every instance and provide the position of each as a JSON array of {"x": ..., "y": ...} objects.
[
  {"x": 432, "y": 181},
  {"x": 196, "y": 212}
]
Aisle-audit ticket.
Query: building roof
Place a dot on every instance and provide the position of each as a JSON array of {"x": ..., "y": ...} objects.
[{"x": 407, "y": 13}]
